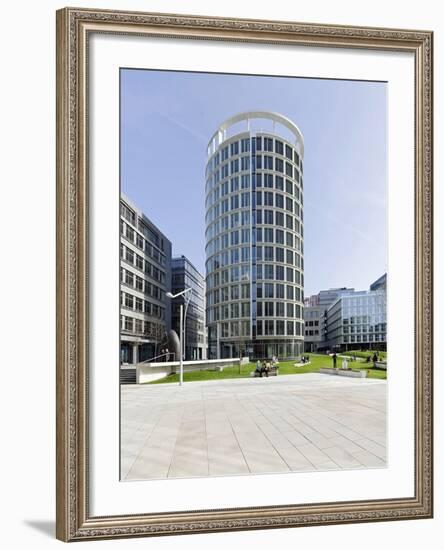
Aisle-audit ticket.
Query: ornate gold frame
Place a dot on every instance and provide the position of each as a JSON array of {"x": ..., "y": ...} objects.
[{"x": 73, "y": 519}]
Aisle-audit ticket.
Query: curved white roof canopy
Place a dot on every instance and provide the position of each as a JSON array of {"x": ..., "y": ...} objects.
[{"x": 219, "y": 135}]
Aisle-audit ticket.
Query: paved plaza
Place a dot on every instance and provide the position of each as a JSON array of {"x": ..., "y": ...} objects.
[{"x": 293, "y": 423}]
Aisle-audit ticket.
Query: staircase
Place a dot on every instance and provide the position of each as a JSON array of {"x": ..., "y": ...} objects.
[{"x": 128, "y": 375}]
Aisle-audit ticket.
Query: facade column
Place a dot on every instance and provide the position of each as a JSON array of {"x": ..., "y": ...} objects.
[{"x": 135, "y": 354}]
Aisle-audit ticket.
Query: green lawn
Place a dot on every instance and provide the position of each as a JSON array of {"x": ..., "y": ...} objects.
[{"x": 285, "y": 367}]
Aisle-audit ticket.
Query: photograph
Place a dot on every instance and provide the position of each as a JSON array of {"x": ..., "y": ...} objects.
[{"x": 253, "y": 274}]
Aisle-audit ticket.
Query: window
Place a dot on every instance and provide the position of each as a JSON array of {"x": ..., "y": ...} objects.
[
  {"x": 290, "y": 292},
  {"x": 268, "y": 272},
  {"x": 245, "y": 181},
  {"x": 234, "y": 168},
  {"x": 289, "y": 221},
  {"x": 268, "y": 144},
  {"x": 139, "y": 304},
  {"x": 234, "y": 182},
  {"x": 259, "y": 198},
  {"x": 289, "y": 187},
  {"x": 139, "y": 283},
  {"x": 268, "y": 328},
  {"x": 268, "y": 290},
  {"x": 279, "y": 147},
  {"x": 268, "y": 180},
  {"x": 290, "y": 275},
  {"x": 268, "y": 254},
  {"x": 279, "y": 254},
  {"x": 268, "y": 309},
  {"x": 268, "y": 235},
  {"x": 290, "y": 328},
  {"x": 245, "y": 145},
  {"x": 259, "y": 143},
  {"x": 288, "y": 204},
  {"x": 245, "y": 235},
  {"x": 290, "y": 310},
  {"x": 280, "y": 272},
  {"x": 234, "y": 148},
  {"x": 129, "y": 278},
  {"x": 234, "y": 238},
  {"x": 279, "y": 164},
  {"x": 279, "y": 183},
  {"x": 289, "y": 239},
  {"x": 280, "y": 291},
  {"x": 289, "y": 257},
  {"x": 225, "y": 153},
  {"x": 279, "y": 236},
  {"x": 288, "y": 170},
  {"x": 289, "y": 152},
  {"x": 245, "y": 163},
  {"x": 234, "y": 202},
  {"x": 279, "y": 219},
  {"x": 245, "y": 254},
  {"x": 268, "y": 162},
  {"x": 268, "y": 217},
  {"x": 280, "y": 327},
  {"x": 129, "y": 301},
  {"x": 129, "y": 256}
]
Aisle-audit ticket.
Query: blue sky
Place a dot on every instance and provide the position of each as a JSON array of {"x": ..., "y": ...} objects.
[{"x": 167, "y": 119}]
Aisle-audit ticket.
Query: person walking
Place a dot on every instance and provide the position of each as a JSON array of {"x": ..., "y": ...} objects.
[{"x": 334, "y": 357}]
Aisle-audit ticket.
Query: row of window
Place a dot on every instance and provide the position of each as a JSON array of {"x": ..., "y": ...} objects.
[
  {"x": 242, "y": 254},
  {"x": 148, "y": 329},
  {"x": 242, "y": 200},
  {"x": 368, "y": 338},
  {"x": 311, "y": 323},
  {"x": 141, "y": 243},
  {"x": 311, "y": 332},
  {"x": 235, "y": 329},
  {"x": 134, "y": 259},
  {"x": 364, "y": 328},
  {"x": 127, "y": 213},
  {"x": 237, "y": 309},
  {"x": 264, "y": 217},
  {"x": 268, "y": 181},
  {"x": 262, "y": 144},
  {"x": 259, "y": 253},
  {"x": 278, "y": 291},
  {"x": 273, "y": 164},
  {"x": 128, "y": 278},
  {"x": 129, "y": 301}
]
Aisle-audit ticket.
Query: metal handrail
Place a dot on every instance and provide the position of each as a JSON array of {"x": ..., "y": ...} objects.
[{"x": 157, "y": 357}]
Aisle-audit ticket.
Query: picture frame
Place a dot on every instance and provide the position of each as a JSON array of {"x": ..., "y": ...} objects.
[{"x": 75, "y": 27}]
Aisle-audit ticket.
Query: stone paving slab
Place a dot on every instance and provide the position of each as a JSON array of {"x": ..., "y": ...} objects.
[{"x": 294, "y": 423}]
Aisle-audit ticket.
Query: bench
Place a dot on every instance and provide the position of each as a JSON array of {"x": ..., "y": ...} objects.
[{"x": 272, "y": 371}]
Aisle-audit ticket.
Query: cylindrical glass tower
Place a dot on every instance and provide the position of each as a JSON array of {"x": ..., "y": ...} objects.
[{"x": 254, "y": 238}]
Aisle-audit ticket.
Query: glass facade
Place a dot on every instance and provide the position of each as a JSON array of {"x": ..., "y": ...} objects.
[
  {"x": 185, "y": 275},
  {"x": 254, "y": 243},
  {"x": 358, "y": 320}
]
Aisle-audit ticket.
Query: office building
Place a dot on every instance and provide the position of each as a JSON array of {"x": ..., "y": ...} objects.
[
  {"x": 145, "y": 277},
  {"x": 254, "y": 237},
  {"x": 358, "y": 321},
  {"x": 342, "y": 318},
  {"x": 185, "y": 275}
]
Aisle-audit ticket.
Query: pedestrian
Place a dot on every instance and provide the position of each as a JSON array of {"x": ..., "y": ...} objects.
[
  {"x": 258, "y": 368},
  {"x": 375, "y": 359},
  {"x": 334, "y": 357}
]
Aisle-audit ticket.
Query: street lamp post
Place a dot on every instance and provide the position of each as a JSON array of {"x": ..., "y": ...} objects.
[{"x": 181, "y": 324}]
